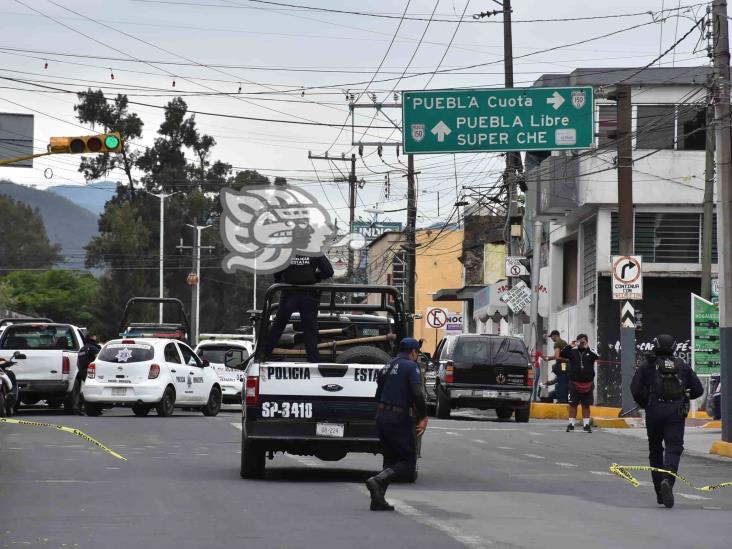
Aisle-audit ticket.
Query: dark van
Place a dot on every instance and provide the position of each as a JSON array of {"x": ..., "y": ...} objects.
[{"x": 485, "y": 372}]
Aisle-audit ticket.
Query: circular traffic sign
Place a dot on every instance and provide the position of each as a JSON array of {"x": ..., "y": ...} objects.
[
  {"x": 436, "y": 318},
  {"x": 515, "y": 270},
  {"x": 626, "y": 269}
]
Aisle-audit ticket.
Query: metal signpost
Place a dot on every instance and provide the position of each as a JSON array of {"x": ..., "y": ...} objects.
[{"x": 497, "y": 120}]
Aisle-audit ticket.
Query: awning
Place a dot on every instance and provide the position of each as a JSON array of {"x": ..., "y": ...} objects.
[
  {"x": 487, "y": 303},
  {"x": 466, "y": 293}
]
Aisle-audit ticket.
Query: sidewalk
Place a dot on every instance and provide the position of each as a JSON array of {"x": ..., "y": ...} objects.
[{"x": 697, "y": 440}]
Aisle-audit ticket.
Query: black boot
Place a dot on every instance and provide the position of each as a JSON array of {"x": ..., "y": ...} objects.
[
  {"x": 667, "y": 493},
  {"x": 377, "y": 486}
]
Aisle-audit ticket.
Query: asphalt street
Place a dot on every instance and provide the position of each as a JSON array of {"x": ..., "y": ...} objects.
[{"x": 482, "y": 483}]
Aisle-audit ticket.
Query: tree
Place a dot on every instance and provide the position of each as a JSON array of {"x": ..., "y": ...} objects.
[
  {"x": 94, "y": 109},
  {"x": 24, "y": 243},
  {"x": 64, "y": 296}
]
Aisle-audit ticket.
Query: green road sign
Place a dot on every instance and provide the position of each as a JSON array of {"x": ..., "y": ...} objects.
[
  {"x": 705, "y": 355},
  {"x": 497, "y": 120}
]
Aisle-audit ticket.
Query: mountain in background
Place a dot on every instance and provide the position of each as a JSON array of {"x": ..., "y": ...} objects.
[
  {"x": 66, "y": 223},
  {"x": 93, "y": 196}
]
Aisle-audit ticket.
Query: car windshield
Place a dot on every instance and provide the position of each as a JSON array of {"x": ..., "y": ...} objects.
[
  {"x": 491, "y": 350},
  {"x": 126, "y": 353},
  {"x": 30, "y": 336},
  {"x": 213, "y": 354}
]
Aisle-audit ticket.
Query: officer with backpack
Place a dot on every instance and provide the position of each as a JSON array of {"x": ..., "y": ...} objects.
[
  {"x": 303, "y": 271},
  {"x": 664, "y": 385}
]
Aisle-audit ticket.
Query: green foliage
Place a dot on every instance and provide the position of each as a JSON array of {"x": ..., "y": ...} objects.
[
  {"x": 64, "y": 296},
  {"x": 24, "y": 243},
  {"x": 127, "y": 246}
]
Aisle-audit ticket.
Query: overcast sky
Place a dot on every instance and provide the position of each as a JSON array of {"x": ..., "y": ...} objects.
[{"x": 271, "y": 52}]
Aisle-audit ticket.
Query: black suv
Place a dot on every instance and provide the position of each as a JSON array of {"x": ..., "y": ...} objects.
[{"x": 484, "y": 372}]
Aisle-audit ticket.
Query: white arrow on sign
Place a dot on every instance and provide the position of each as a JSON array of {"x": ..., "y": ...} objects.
[
  {"x": 441, "y": 130},
  {"x": 556, "y": 100}
]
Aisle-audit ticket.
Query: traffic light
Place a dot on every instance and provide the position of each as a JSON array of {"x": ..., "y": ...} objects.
[{"x": 85, "y": 144}]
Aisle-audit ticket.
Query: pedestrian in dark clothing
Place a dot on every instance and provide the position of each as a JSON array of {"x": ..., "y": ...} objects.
[
  {"x": 399, "y": 396},
  {"x": 303, "y": 271},
  {"x": 87, "y": 354},
  {"x": 581, "y": 373},
  {"x": 664, "y": 386}
]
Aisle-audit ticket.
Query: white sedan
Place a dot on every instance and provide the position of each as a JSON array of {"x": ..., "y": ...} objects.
[{"x": 147, "y": 373}]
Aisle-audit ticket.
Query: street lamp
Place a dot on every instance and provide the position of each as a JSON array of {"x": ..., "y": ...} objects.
[{"x": 162, "y": 197}]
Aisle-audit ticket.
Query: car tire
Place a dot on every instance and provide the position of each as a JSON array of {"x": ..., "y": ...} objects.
[
  {"x": 2, "y": 404},
  {"x": 442, "y": 410},
  {"x": 504, "y": 413},
  {"x": 140, "y": 410},
  {"x": 253, "y": 459},
  {"x": 213, "y": 406},
  {"x": 363, "y": 354},
  {"x": 523, "y": 414},
  {"x": 92, "y": 409},
  {"x": 165, "y": 407},
  {"x": 431, "y": 409}
]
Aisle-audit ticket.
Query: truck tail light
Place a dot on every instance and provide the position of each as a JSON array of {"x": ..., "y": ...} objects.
[
  {"x": 154, "y": 371},
  {"x": 65, "y": 365},
  {"x": 128, "y": 341},
  {"x": 91, "y": 371},
  {"x": 251, "y": 391},
  {"x": 450, "y": 372},
  {"x": 530, "y": 377}
]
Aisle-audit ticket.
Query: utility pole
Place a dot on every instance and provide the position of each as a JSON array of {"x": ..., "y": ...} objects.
[
  {"x": 194, "y": 279},
  {"x": 352, "y": 189},
  {"x": 625, "y": 229},
  {"x": 534, "y": 309},
  {"x": 724, "y": 207},
  {"x": 708, "y": 216},
  {"x": 161, "y": 196},
  {"x": 513, "y": 160},
  {"x": 411, "y": 242}
]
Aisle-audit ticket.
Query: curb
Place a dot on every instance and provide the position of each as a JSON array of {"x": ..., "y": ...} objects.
[
  {"x": 716, "y": 424},
  {"x": 721, "y": 448},
  {"x": 545, "y": 410},
  {"x": 619, "y": 422}
]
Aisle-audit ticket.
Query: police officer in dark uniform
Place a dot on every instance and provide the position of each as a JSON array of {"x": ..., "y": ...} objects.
[
  {"x": 664, "y": 385},
  {"x": 303, "y": 270},
  {"x": 87, "y": 354},
  {"x": 398, "y": 394}
]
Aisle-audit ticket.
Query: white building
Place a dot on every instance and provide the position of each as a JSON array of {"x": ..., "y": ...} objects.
[{"x": 576, "y": 196}]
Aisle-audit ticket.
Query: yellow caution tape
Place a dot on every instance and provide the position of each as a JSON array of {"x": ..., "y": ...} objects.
[
  {"x": 65, "y": 429},
  {"x": 622, "y": 472}
]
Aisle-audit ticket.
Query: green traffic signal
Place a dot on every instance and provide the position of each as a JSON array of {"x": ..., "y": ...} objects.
[{"x": 111, "y": 142}]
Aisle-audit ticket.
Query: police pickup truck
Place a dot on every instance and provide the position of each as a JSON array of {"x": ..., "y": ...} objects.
[
  {"x": 49, "y": 368},
  {"x": 323, "y": 409}
]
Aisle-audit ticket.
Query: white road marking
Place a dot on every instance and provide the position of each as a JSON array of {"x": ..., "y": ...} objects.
[
  {"x": 505, "y": 448},
  {"x": 453, "y": 434},
  {"x": 480, "y": 441},
  {"x": 65, "y": 481},
  {"x": 534, "y": 456},
  {"x": 237, "y": 425},
  {"x": 691, "y": 496},
  {"x": 432, "y": 427},
  {"x": 602, "y": 473},
  {"x": 566, "y": 465}
]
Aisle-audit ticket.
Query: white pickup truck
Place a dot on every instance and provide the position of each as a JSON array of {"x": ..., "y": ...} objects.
[
  {"x": 49, "y": 369},
  {"x": 325, "y": 409}
]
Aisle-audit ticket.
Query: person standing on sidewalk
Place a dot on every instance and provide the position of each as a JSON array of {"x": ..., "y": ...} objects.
[
  {"x": 664, "y": 386},
  {"x": 581, "y": 380},
  {"x": 559, "y": 369}
]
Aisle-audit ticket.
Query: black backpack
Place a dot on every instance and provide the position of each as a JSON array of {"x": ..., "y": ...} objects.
[
  {"x": 669, "y": 384},
  {"x": 300, "y": 271}
]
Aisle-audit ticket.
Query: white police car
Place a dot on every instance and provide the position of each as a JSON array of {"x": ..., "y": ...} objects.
[
  {"x": 147, "y": 373},
  {"x": 227, "y": 353}
]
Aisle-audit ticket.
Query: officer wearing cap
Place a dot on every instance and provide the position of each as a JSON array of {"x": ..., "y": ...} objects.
[{"x": 399, "y": 395}]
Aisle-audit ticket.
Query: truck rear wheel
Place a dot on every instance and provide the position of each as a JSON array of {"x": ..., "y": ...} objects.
[
  {"x": 443, "y": 405},
  {"x": 523, "y": 414},
  {"x": 252, "y": 459},
  {"x": 504, "y": 413}
]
